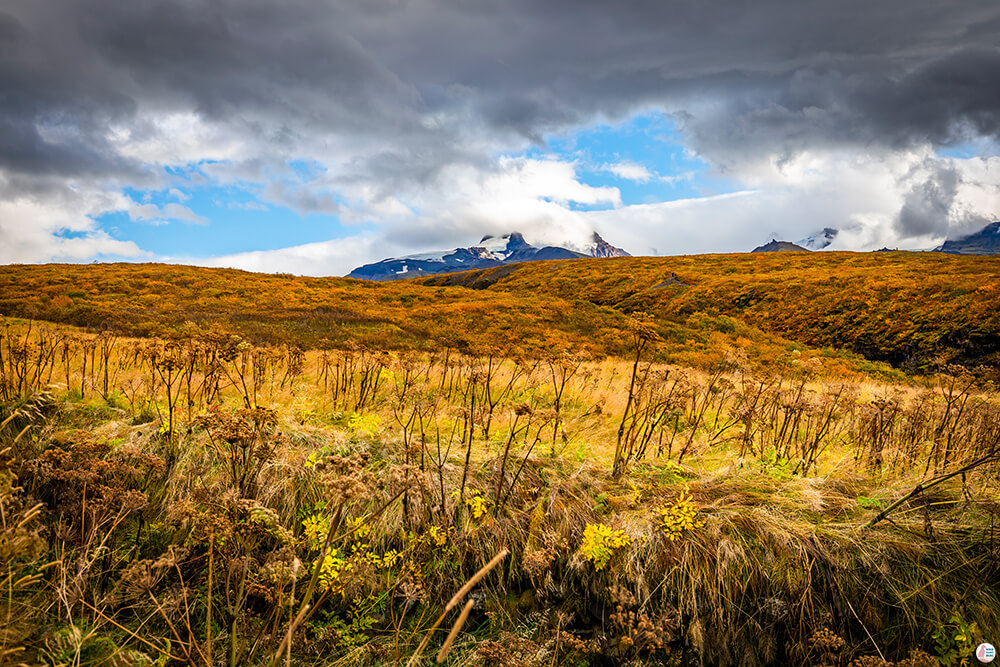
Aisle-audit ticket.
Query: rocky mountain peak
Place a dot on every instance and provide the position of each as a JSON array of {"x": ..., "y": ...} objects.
[{"x": 491, "y": 251}]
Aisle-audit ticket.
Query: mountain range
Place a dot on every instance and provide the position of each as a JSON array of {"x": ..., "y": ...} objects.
[
  {"x": 986, "y": 241},
  {"x": 490, "y": 252}
]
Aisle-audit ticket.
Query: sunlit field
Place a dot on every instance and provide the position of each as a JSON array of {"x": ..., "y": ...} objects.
[{"x": 199, "y": 499}]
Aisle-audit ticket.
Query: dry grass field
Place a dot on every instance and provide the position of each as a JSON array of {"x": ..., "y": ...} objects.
[{"x": 234, "y": 488}]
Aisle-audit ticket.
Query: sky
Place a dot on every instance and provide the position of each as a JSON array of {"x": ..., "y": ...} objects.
[{"x": 313, "y": 136}]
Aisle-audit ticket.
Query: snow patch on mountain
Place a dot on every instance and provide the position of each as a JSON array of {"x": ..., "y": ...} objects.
[
  {"x": 489, "y": 252},
  {"x": 819, "y": 240}
]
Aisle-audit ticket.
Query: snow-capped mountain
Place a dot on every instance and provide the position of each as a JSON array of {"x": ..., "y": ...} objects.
[
  {"x": 491, "y": 251},
  {"x": 819, "y": 240},
  {"x": 984, "y": 242}
]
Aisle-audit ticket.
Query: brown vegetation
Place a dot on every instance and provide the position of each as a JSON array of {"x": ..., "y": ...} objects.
[
  {"x": 204, "y": 500},
  {"x": 902, "y": 307},
  {"x": 909, "y": 309}
]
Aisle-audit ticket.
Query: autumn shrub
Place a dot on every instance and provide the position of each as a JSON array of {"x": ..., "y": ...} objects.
[{"x": 243, "y": 442}]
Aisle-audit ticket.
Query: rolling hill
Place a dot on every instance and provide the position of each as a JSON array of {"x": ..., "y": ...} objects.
[{"x": 903, "y": 308}]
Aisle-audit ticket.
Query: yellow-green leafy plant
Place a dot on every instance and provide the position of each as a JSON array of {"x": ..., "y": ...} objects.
[
  {"x": 358, "y": 529},
  {"x": 674, "y": 520},
  {"x": 601, "y": 543},
  {"x": 477, "y": 504},
  {"x": 435, "y": 536},
  {"x": 314, "y": 529},
  {"x": 386, "y": 560},
  {"x": 333, "y": 566}
]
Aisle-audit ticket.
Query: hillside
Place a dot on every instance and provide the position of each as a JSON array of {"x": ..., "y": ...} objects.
[
  {"x": 156, "y": 299},
  {"x": 162, "y": 300},
  {"x": 904, "y": 308}
]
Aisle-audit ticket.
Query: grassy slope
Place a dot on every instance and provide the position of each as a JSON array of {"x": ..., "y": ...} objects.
[
  {"x": 151, "y": 299},
  {"x": 897, "y": 307},
  {"x": 154, "y": 299},
  {"x": 894, "y": 306}
]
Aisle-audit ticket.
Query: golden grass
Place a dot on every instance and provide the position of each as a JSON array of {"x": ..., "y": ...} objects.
[{"x": 780, "y": 555}]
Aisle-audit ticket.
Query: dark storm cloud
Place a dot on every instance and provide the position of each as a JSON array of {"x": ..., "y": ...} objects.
[
  {"x": 536, "y": 66},
  {"x": 942, "y": 102},
  {"x": 280, "y": 74},
  {"x": 931, "y": 204},
  {"x": 51, "y": 122},
  {"x": 426, "y": 83},
  {"x": 224, "y": 59},
  {"x": 11, "y": 31},
  {"x": 946, "y": 98}
]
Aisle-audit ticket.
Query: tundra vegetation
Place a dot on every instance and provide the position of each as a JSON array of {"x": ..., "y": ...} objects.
[{"x": 232, "y": 491}]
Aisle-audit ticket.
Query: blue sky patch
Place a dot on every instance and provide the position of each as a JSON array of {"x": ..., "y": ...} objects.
[
  {"x": 650, "y": 141},
  {"x": 237, "y": 222}
]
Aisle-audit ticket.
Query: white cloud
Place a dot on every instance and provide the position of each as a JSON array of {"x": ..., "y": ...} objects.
[
  {"x": 179, "y": 138},
  {"x": 58, "y": 228},
  {"x": 531, "y": 196},
  {"x": 859, "y": 194},
  {"x": 327, "y": 258},
  {"x": 161, "y": 215},
  {"x": 243, "y": 206},
  {"x": 629, "y": 171}
]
